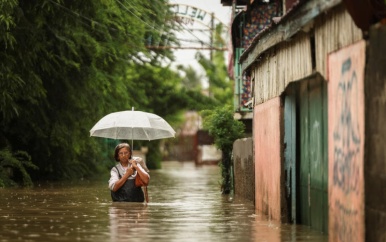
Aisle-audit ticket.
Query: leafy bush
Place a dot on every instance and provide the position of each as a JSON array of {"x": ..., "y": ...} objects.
[
  {"x": 13, "y": 168},
  {"x": 225, "y": 130}
]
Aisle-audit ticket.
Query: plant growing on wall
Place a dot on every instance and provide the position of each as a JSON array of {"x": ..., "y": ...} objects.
[{"x": 225, "y": 130}]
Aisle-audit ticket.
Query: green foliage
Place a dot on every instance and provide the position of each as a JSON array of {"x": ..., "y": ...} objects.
[
  {"x": 68, "y": 64},
  {"x": 191, "y": 80},
  {"x": 156, "y": 89},
  {"x": 66, "y": 67},
  {"x": 220, "y": 85},
  {"x": 225, "y": 130},
  {"x": 13, "y": 168},
  {"x": 154, "y": 156},
  {"x": 219, "y": 121},
  {"x": 222, "y": 126}
]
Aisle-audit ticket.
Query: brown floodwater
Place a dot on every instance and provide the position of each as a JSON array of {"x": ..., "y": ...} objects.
[{"x": 185, "y": 205}]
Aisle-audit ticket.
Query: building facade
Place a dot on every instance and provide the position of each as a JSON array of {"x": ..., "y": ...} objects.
[{"x": 318, "y": 100}]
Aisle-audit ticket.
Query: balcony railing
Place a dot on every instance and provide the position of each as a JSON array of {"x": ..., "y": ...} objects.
[{"x": 243, "y": 87}]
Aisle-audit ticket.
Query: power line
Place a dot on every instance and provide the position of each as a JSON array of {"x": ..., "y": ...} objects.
[
  {"x": 84, "y": 17},
  {"x": 134, "y": 14},
  {"x": 186, "y": 48},
  {"x": 90, "y": 20},
  {"x": 195, "y": 36}
]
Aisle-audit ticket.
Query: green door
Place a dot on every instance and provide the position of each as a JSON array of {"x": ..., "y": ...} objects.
[
  {"x": 290, "y": 151},
  {"x": 313, "y": 165}
]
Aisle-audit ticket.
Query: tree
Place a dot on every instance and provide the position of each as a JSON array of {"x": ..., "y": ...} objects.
[
  {"x": 65, "y": 67},
  {"x": 220, "y": 85},
  {"x": 191, "y": 80},
  {"x": 219, "y": 121},
  {"x": 160, "y": 92},
  {"x": 68, "y": 64}
]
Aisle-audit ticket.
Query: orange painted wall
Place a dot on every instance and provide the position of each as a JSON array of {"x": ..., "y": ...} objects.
[
  {"x": 267, "y": 138},
  {"x": 346, "y": 143}
]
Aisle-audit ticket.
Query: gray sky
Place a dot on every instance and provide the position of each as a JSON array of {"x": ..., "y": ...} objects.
[{"x": 186, "y": 57}]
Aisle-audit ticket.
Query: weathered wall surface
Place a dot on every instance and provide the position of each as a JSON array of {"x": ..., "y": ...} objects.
[
  {"x": 346, "y": 143},
  {"x": 289, "y": 62},
  {"x": 375, "y": 130},
  {"x": 293, "y": 60},
  {"x": 333, "y": 31},
  {"x": 244, "y": 169},
  {"x": 268, "y": 151}
]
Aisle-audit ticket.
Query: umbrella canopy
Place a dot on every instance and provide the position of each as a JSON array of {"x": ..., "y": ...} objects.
[{"x": 134, "y": 125}]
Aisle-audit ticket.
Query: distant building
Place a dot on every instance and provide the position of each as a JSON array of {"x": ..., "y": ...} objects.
[{"x": 194, "y": 144}]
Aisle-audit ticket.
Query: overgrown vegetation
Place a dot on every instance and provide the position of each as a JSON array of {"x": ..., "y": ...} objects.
[
  {"x": 225, "y": 130},
  {"x": 66, "y": 64},
  {"x": 14, "y": 167},
  {"x": 219, "y": 121}
]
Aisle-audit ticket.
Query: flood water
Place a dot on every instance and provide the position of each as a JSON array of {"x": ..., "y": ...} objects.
[{"x": 185, "y": 205}]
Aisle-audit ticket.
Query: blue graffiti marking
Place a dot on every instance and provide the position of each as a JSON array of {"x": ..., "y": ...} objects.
[{"x": 346, "y": 133}]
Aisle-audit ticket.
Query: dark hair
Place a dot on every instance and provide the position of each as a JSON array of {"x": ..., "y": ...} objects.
[{"x": 120, "y": 146}]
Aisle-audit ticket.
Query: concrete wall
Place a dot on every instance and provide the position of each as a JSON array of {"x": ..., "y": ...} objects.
[
  {"x": 346, "y": 140},
  {"x": 375, "y": 130},
  {"x": 244, "y": 169},
  {"x": 268, "y": 159}
]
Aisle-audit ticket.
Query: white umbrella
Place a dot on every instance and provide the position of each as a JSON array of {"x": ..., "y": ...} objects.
[{"x": 132, "y": 125}]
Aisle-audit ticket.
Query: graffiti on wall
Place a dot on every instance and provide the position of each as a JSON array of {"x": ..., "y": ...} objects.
[
  {"x": 346, "y": 143},
  {"x": 347, "y": 140}
]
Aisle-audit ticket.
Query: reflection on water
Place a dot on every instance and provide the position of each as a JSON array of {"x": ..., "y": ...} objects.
[
  {"x": 126, "y": 220},
  {"x": 185, "y": 205}
]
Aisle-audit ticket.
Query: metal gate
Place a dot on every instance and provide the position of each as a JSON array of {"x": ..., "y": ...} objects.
[{"x": 306, "y": 161}]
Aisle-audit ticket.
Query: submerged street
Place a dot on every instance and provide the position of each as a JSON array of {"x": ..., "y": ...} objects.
[{"x": 185, "y": 205}]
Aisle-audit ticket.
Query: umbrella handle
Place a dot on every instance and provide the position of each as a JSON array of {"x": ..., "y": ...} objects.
[{"x": 132, "y": 146}]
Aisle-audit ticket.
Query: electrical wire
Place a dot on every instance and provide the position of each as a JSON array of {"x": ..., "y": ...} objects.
[
  {"x": 134, "y": 14},
  {"x": 90, "y": 20}
]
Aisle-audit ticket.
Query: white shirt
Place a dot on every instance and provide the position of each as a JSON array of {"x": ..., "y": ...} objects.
[{"x": 114, "y": 176}]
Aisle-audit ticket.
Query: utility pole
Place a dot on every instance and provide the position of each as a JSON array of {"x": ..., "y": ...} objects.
[
  {"x": 211, "y": 44},
  {"x": 211, "y": 34}
]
